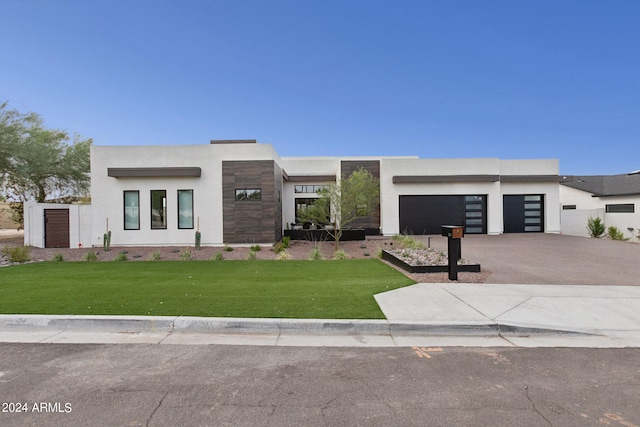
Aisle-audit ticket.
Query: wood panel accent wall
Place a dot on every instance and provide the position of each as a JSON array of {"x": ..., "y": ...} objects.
[
  {"x": 257, "y": 221},
  {"x": 373, "y": 166}
]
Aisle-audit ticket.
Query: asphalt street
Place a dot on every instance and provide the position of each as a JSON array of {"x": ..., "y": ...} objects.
[{"x": 151, "y": 385}]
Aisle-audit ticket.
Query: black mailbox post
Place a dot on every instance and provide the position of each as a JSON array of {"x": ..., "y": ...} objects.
[{"x": 453, "y": 233}]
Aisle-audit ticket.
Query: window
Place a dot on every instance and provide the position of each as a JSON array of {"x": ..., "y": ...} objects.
[
  {"x": 132, "y": 210},
  {"x": 309, "y": 188},
  {"x": 158, "y": 209},
  {"x": 568, "y": 207},
  {"x": 302, "y": 204},
  {"x": 249, "y": 194},
  {"x": 474, "y": 214},
  {"x": 620, "y": 208},
  {"x": 185, "y": 208}
]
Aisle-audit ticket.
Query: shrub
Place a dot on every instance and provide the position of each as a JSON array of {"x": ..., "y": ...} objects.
[
  {"x": 408, "y": 242},
  {"x": 251, "y": 256},
  {"x": 316, "y": 254},
  {"x": 340, "y": 254},
  {"x": 155, "y": 256},
  {"x": 58, "y": 257},
  {"x": 121, "y": 257},
  {"x": 17, "y": 254},
  {"x": 286, "y": 241},
  {"x": 228, "y": 248},
  {"x": 283, "y": 255},
  {"x": 596, "y": 227},
  {"x": 218, "y": 256},
  {"x": 614, "y": 234},
  {"x": 186, "y": 255},
  {"x": 278, "y": 247},
  {"x": 255, "y": 248},
  {"x": 379, "y": 253},
  {"x": 91, "y": 256}
]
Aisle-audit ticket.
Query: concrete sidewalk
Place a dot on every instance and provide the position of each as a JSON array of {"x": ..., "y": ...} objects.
[{"x": 421, "y": 315}]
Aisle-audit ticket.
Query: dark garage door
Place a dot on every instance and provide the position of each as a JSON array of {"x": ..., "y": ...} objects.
[
  {"x": 56, "y": 228},
  {"x": 523, "y": 213},
  {"x": 426, "y": 214}
]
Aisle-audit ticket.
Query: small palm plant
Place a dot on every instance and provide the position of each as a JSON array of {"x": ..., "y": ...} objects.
[{"x": 595, "y": 227}]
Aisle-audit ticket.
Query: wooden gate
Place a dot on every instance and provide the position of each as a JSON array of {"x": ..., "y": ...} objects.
[{"x": 56, "y": 228}]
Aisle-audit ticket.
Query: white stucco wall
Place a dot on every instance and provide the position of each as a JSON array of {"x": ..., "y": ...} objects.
[
  {"x": 530, "y": 167},
  {"x": 33, "y": 224},
  {"x": 107, "y": 192},
  {"x": 584, "y": 201},
  {"x": 79, "y": 224},
  {"x": 493, "y": 190},
  {"x": 550, "y": 192}
]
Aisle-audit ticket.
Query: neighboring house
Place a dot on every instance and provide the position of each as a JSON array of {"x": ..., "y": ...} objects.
[
  {"x": 613, "y": 198},
  {"x": 242, "y": 192}
]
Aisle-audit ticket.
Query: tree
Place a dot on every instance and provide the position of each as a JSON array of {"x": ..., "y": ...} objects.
[
  {"x": 13, "y": 127},
  {"x": 342, "y": 202},
  {"x": 39, "y": 162}
]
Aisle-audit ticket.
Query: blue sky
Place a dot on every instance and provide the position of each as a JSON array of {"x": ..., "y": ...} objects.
[{"x": 449, "y": 78}]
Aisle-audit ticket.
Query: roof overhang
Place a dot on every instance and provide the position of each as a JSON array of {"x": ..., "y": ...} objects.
[
  {"x": 531, "y": 178},
  {"x": 310, "y": 178},
  {"x": 426, "y": 179},
  {"x": 190, "y": 172},
  {"x": 435, "y": 179}
]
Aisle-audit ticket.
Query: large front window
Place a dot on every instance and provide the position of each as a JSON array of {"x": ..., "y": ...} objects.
[
  {"x": 158, "y": 209},
  {"x": 132, "y": 210},
  {"x": 185, "y": 208}
]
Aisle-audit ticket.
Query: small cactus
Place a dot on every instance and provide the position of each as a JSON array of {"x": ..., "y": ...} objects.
[
  {"x": 198, "y": 240},
  {"x": 106, "y": 241}
]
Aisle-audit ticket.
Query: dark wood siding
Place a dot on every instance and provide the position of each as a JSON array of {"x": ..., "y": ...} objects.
[
  {"x": 56, "y": 228},
  {"x": 373, "y": 166},
  {"x": 253, "y": 221}
]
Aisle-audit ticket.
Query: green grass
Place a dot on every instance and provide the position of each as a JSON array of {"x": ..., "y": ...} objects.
[{"x": 292, "y": 289}]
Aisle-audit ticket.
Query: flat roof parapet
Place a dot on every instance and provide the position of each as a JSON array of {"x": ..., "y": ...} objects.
[{"x": 233, "y": 141}]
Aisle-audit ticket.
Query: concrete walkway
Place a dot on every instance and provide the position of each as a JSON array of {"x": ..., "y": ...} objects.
[{"x": 421, "y": 315}]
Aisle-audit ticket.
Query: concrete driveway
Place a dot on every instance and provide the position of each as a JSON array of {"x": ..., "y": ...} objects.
[{"x": 550, "y": 259}]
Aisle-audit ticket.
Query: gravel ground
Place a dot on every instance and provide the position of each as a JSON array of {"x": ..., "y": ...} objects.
[{"x": 299, "y": 250}]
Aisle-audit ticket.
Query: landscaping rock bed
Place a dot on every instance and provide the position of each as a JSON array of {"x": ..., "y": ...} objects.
[{"x": 425, "y": 261}]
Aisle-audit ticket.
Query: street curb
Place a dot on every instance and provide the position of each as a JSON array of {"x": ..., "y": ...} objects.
[{"x": 338, "y": 327}]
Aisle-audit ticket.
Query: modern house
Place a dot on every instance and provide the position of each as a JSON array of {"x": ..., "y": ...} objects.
[
  {"x": 613, "y": 198},
  {"x": 243, "y": 192}
]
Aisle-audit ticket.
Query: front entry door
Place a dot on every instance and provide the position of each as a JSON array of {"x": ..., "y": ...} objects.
[{"x": 56, "y": 228}]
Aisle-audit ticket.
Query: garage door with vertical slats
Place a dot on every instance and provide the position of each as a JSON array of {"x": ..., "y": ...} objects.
[
  {"x": 523, "y": 213},
  {"x": 426, "y": 214}
]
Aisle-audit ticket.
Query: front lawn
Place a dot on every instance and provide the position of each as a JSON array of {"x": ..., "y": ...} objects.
[{"x": 289, "y": 289}]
